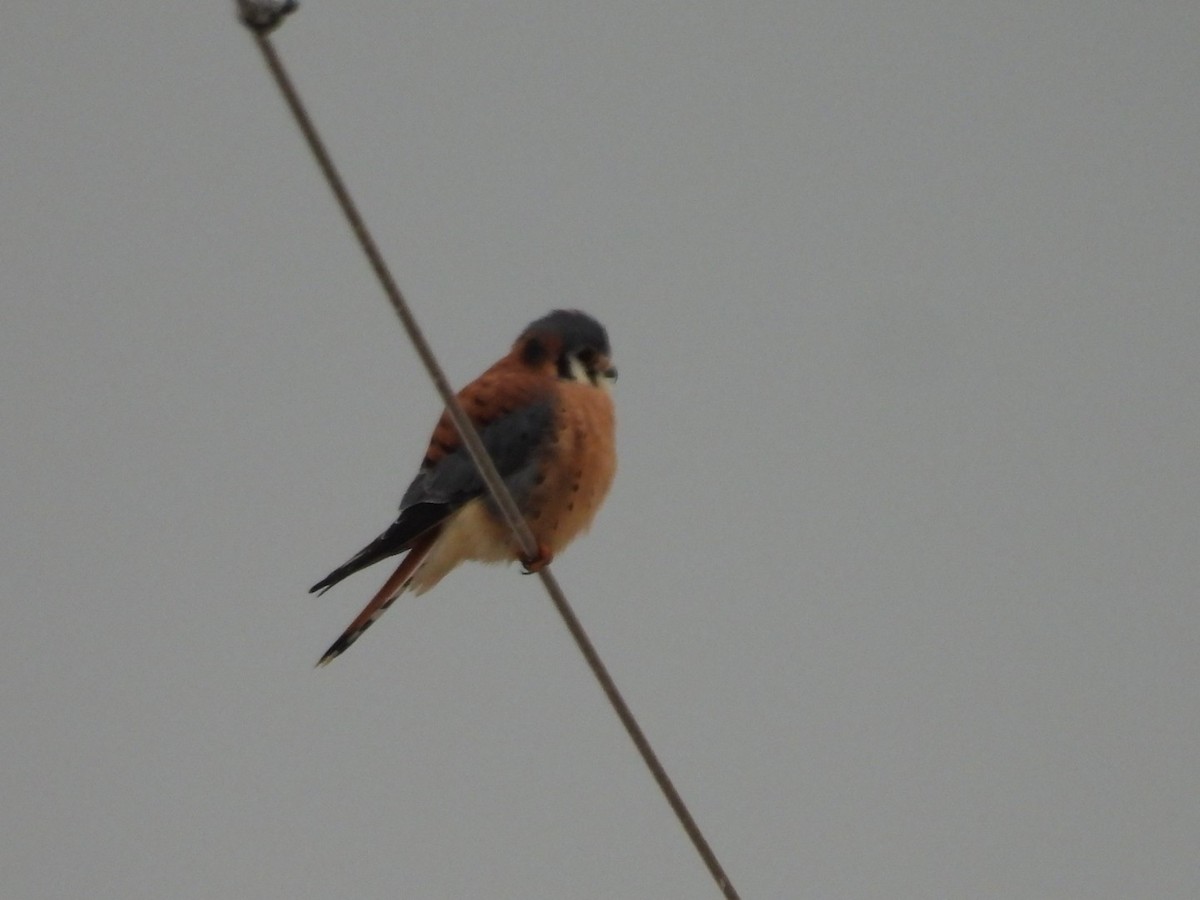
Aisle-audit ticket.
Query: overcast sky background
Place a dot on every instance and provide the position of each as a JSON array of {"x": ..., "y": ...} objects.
[{"x": 900, "y": 571}]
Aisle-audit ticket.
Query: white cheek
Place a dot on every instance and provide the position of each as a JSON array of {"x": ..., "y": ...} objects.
[{"x": 579, "y": 371}]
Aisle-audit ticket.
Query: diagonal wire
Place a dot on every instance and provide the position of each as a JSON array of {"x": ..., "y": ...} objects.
[{"x": 251, "y": 16}]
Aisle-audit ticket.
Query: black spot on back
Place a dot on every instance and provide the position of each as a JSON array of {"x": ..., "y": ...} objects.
[{"x": 534, "y": 352}]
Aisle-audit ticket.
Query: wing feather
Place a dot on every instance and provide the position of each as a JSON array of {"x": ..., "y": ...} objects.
[{"x": 513, "y": 438}]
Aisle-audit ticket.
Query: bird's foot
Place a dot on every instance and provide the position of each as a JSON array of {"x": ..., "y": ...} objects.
[{"x": 538, "y": 561}]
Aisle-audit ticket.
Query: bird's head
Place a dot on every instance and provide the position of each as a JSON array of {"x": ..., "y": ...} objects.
[{"x": 571, "y": 342}]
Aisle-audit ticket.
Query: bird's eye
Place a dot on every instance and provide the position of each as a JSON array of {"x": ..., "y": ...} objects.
[{"x": 587, "y": 356}]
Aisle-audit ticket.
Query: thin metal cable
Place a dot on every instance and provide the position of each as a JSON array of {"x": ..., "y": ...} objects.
[{"x": 479, "y": 454}]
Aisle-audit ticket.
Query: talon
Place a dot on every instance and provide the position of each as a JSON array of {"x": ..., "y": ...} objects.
[{"x": 536, "y": 563}]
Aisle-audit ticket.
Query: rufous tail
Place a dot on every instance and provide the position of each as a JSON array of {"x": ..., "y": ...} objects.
[{"x": 392, "y": 588}]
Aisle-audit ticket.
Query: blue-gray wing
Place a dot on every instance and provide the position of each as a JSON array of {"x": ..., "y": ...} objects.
[{"x": 514, "y": 441}]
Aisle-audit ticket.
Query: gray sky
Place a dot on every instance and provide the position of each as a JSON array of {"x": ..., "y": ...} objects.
[{"x": 900, "y": 571}]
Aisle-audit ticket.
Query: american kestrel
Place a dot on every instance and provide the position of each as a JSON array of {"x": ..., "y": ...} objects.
[{"x": 545, "y": 414}]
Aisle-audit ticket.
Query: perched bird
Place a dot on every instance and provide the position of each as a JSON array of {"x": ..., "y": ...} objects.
[{"x": 545, "y": 414}]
